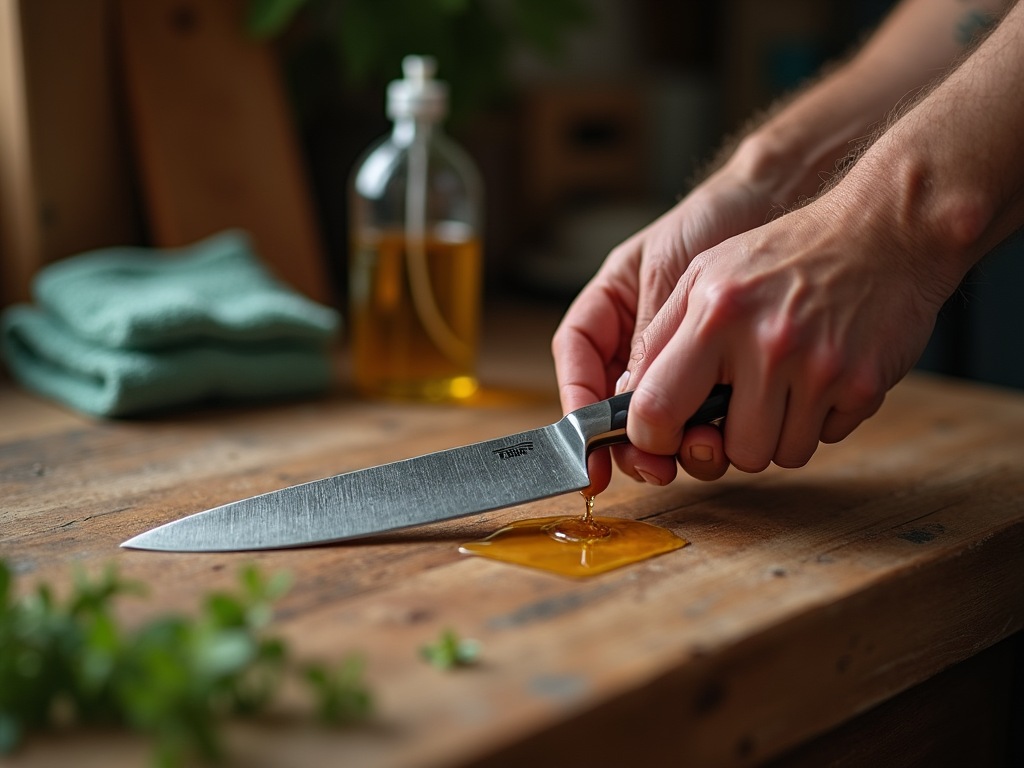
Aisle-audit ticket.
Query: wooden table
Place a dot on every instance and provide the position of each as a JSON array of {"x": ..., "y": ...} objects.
[{"x": 806, "y": 598}]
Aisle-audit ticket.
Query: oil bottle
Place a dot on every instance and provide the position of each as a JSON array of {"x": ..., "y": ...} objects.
[{"x": 415, "y": 257}]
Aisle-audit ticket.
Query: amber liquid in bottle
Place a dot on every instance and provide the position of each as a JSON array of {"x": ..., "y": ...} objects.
[
  {"x": 576, "y": 546},
  {"x": 414, "y": 323}
]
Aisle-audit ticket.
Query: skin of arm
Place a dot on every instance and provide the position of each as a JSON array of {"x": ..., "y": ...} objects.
[
  {"x": 799, "y": 314},
  {"x": 918, "y": 41}
]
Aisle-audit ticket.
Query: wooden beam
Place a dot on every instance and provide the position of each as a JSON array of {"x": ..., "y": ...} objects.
[
  {"x": 19, "y": 237},
  {"x": 66, "y": 181}
]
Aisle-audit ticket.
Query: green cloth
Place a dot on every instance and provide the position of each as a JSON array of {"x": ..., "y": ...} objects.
[
  {"x": 140, "y": 298},
  {"x": 128, "y": 330}
]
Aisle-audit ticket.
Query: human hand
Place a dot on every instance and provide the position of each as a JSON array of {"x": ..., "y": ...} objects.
[
  {"x": 810, "y": 318},
  {"x": 593, "y": 342},
  {"x": 813, "y": 317}
]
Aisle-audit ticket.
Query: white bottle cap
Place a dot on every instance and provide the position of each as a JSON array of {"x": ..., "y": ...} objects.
[{"x": 419, "y": 94}]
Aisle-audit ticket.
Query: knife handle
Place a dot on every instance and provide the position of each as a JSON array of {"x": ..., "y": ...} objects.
[{"x": 613, "y": 431}]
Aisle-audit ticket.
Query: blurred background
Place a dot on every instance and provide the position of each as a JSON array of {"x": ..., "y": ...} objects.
[{"x": 158, "y": 123}]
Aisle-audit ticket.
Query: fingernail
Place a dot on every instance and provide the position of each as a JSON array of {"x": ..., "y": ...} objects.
[
  {"x": 620, "y": 385},
  {"x": 701, "y": 453},
  {"x": 648, "y": 477}
]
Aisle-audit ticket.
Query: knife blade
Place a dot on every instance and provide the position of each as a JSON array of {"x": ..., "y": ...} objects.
[{"x": 437, "y": 486}]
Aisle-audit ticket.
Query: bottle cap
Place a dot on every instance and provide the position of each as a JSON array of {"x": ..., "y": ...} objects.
[{"x": 419, "y": 94}]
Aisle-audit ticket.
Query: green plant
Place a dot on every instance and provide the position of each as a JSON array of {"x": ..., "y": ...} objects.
[
  {"x": 449, "y": 651},
  {"x": 341, "y": 696},
  {"x": 174, "y": 678},
  {"x": 471, "y": 39}
]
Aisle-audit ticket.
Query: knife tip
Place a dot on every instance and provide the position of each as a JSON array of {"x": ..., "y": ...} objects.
[{"x": 143, "y": 541}]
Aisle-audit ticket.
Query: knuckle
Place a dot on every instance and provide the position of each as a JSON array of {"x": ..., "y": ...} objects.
[
  {"x": 825, "y": 368},
  {"x": 638, "y": 356},
  {"x": 724, "y": 303},
  {"x": 863, "y": 392},
  {"x": 724, "y": 298},
  {"x": 621, "y": 251},
  {"x": 778, "y": 341}
]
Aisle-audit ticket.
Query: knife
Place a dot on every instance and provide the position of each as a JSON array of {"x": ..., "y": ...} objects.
[{"x": 426, "y": 489}]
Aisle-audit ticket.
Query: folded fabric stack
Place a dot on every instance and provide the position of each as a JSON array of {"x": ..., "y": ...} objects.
[{"x": 125, "y": 331}]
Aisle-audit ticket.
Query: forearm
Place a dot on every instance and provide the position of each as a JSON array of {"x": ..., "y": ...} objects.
[
  {"x": 945, "y": 183},
  {"x": 794, "y": 150}
]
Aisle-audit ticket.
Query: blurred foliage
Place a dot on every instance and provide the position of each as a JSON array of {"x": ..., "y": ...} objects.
[
  {"x": 341, "y": 697},
  {"x": 471, "y": 39},
  {"x": 449, "y": 651},
  {"x": 173, "y": 678}
]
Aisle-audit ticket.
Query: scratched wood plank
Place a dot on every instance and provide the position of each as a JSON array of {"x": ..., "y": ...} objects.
[
  {"x": 215, "y": 145},
  {"x": 806, "y": 597}
]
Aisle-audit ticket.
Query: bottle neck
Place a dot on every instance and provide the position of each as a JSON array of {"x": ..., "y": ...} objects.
[{"x": 408, "y": 130}]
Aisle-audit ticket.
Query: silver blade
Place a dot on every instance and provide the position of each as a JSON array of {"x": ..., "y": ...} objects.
[{"x": 438, "y": 486}]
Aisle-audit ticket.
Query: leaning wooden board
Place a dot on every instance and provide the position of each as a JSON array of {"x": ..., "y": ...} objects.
[
  {"x": 806, "y": 597},
  {"x": 215, "y": 143}
]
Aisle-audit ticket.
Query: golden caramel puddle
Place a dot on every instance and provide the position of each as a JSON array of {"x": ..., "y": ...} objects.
[{"x": 576, "y": 546}]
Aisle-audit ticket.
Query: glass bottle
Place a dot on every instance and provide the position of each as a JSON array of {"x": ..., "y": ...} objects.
[{"x": 415, "y": 261}]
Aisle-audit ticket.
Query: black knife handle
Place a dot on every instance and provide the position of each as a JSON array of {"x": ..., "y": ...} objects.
[{"x": 714, "y": 407}]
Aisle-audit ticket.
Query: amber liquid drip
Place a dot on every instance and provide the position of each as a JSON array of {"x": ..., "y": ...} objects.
[
  {"x": 579, "y": 529},
  {"x": 576, "y": 546},
  {"x": 393, "y": 352}
]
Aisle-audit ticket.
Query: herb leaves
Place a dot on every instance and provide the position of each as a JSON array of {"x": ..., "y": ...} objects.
[{"x": 173, "y": 678}]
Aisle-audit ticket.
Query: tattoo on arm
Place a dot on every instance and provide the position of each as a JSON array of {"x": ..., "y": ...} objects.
[{"x": 972, "y": 25}]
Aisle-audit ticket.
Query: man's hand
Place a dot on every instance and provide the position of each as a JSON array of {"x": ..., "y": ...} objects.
[
  {"x": 593, "y": 342},
  {"x": 810, "y": 318},
  {"x": 813, "y": 317}
]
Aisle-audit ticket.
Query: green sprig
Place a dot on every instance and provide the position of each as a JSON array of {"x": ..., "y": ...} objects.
[
  {"x": 449, "y": 651},
  {"x": 174, "y": 678},
  {"x": 340, "y": 693}
]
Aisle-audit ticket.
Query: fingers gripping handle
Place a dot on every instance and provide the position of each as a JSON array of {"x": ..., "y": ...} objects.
[
  {"x": 713, "y": 408},
  {"x": 612, "y": 429}
]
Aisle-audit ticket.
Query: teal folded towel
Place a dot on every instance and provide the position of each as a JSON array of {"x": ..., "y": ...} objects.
[
  {"x": 129, "y": 330},
  {"x": 141, "y": 298}
]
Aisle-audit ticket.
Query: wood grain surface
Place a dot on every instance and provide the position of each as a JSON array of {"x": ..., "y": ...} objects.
[
  {"x": 807, "y": 596},
  {"x": 216, "y": 148}
]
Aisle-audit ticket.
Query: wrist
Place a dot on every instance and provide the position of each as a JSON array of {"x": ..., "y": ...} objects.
[
  {"x": 788, "y": 158},
  {"x": 794, "y": 152},
  {"x": 770, "y": 167},
  {"x": 921, "y": 214}
]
